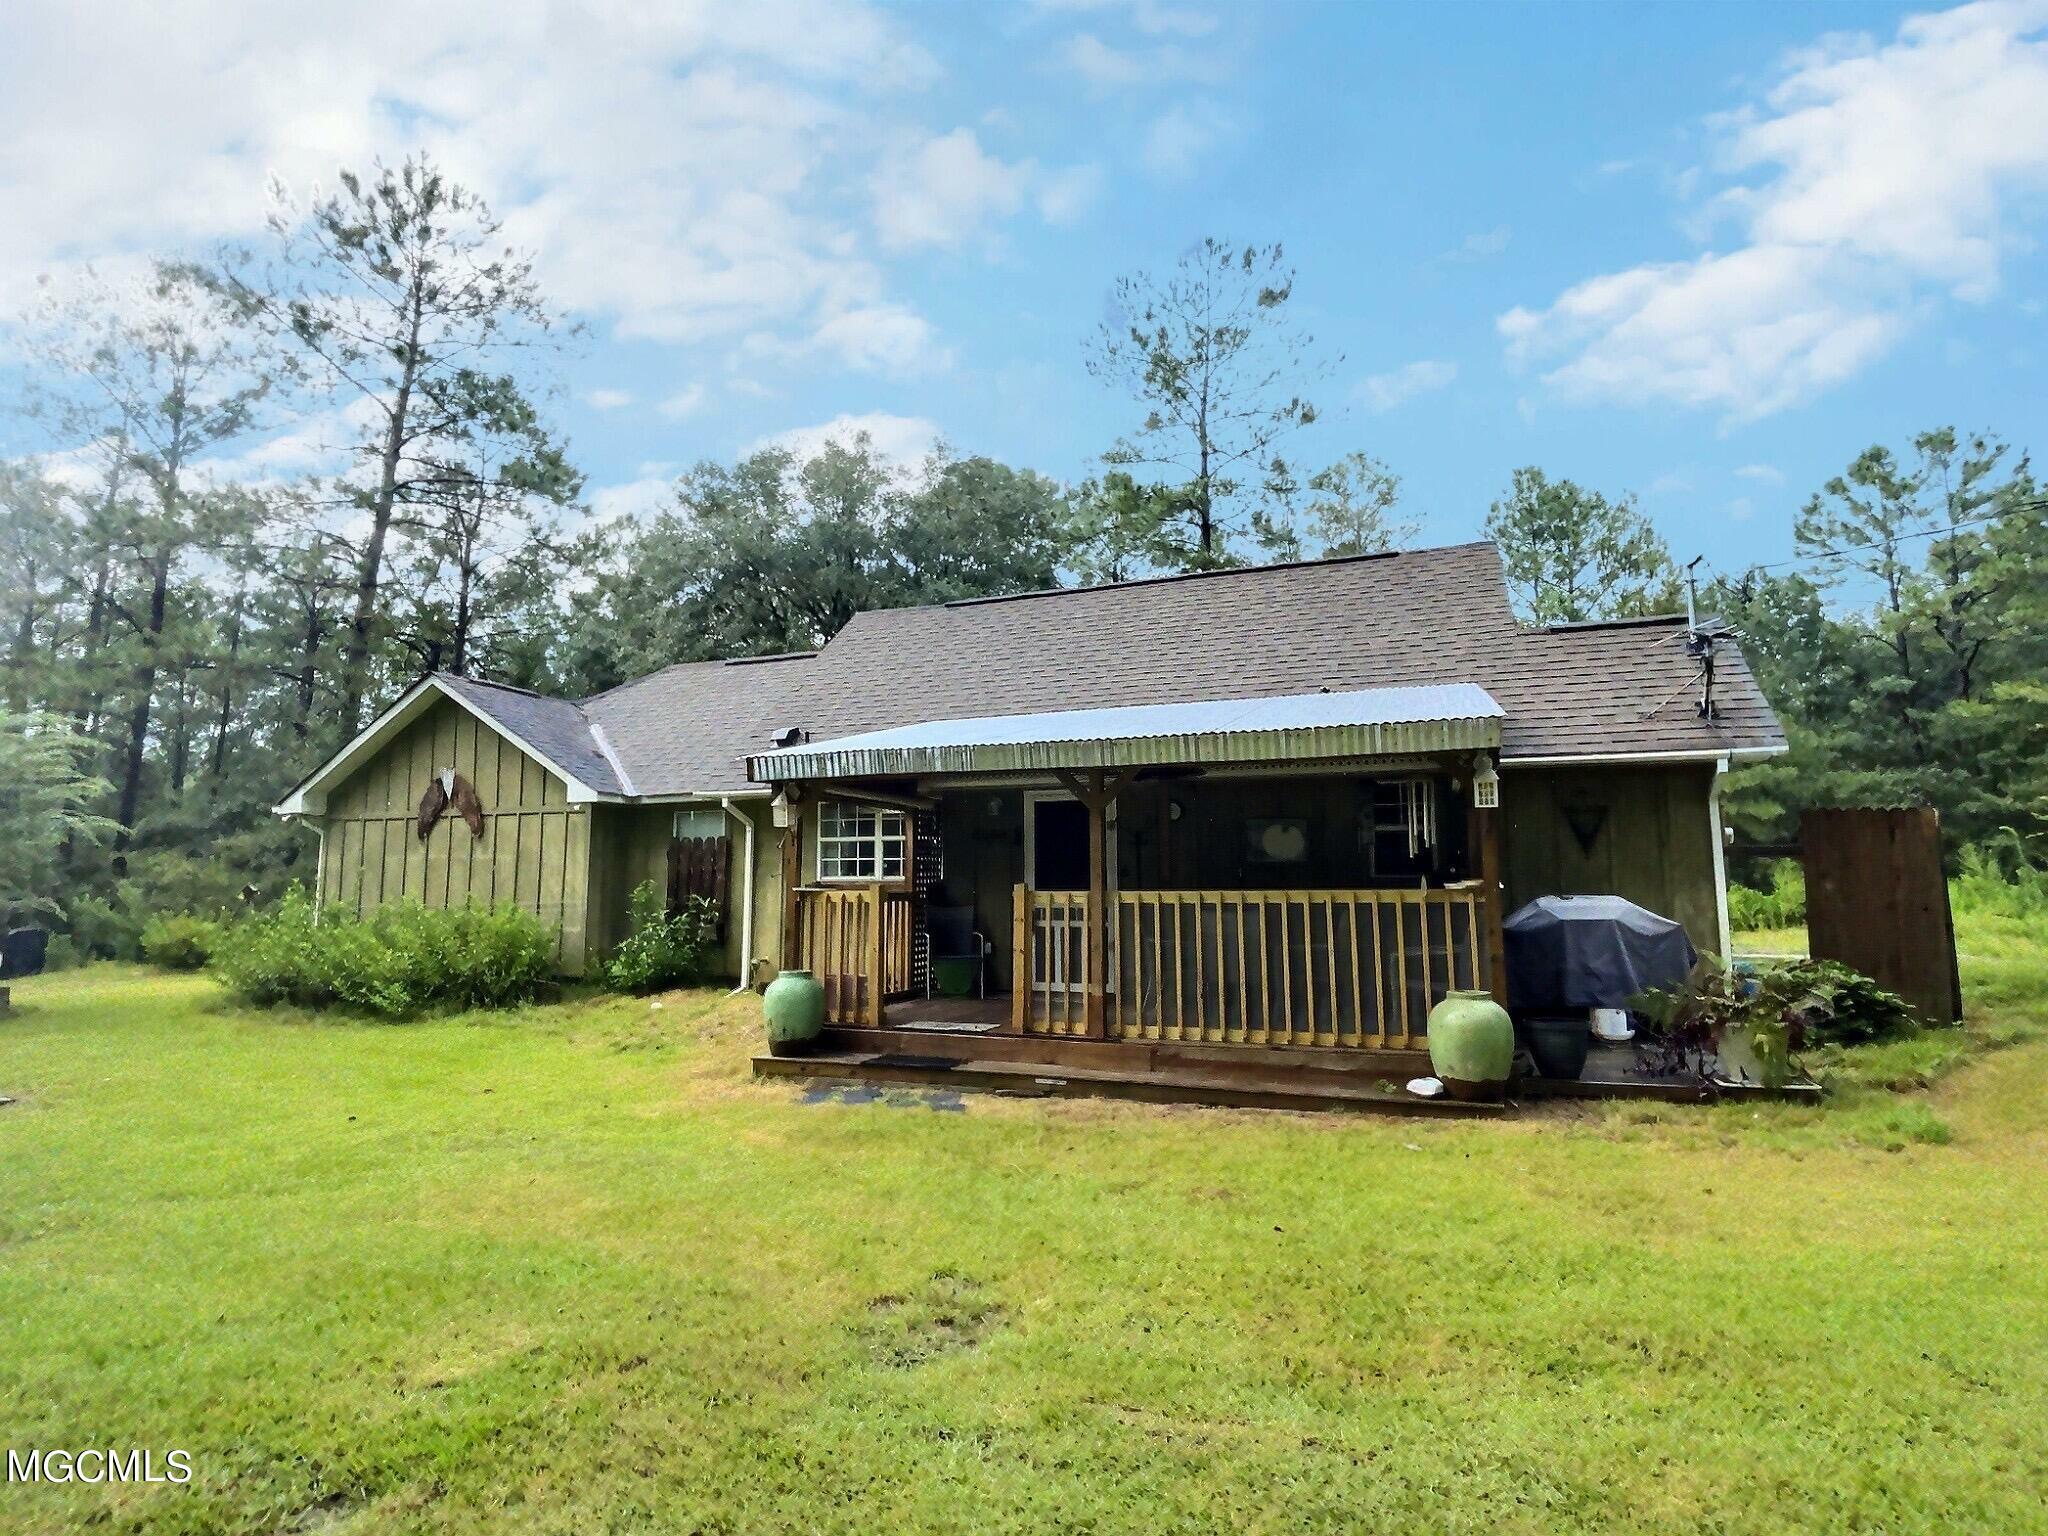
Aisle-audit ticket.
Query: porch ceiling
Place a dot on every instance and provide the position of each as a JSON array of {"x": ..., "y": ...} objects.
[{"x": 1363, "y": 722}]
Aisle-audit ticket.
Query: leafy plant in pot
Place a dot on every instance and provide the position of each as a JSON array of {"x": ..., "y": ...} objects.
[{"x": 1717, "y": 1017}]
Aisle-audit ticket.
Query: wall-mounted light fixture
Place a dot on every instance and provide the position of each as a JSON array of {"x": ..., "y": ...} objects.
[{"x": 1485, "y": 784}]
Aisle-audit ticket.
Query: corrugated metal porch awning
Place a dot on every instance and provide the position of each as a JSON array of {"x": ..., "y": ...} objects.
[{"x": 1364, "y": 722}]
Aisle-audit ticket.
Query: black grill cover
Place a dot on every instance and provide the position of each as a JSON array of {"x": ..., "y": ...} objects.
[{"x": 1591, "y": 952}]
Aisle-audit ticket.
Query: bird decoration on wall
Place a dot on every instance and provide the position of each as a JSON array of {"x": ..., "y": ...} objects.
[{"x": 450, "y": 789}]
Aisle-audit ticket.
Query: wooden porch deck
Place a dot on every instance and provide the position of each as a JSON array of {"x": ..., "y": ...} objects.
[
  {"x": 943, "y": 1053},
  {"x": 1036, "y": 1067}
]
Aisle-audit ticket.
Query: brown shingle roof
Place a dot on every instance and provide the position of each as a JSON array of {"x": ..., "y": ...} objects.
[
  {"x": 555, "y": 728},
  {"x": 1416, "y": 617},
  {"x": 687, "y": 729}
]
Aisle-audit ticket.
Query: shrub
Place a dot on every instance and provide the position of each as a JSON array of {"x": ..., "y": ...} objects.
[
  {"x": 2001, "y": 878},
  {"x": 180, "y": 941},
  {"x": 102, "y": 931},
  {"x": 663, "y": 951},
  {"x": 398, "y": 961},
  {"x": 1782, "y": 906}
]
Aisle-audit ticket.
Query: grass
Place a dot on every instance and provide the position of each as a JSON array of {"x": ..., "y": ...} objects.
[{"x": 569, "y": 1269}]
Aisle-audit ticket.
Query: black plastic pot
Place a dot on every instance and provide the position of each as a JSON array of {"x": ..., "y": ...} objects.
[{"x": 1559, "y": 1045}]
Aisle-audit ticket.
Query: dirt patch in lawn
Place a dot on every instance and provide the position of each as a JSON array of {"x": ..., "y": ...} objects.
[{"x": 947, "y": 1314}]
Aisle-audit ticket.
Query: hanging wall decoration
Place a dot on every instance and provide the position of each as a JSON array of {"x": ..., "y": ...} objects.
[{"x": 450, "y": 789}]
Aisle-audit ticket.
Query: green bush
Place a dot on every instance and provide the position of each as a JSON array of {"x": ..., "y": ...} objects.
[
  {"x": 102, "y": 931},
  {"x": 180, "y": 941},
  {"x": 2000, "y": 878},
  {"x": 663, "y": 951},
  {"x": 398, "y": 961},
  {"x": 1782, "y": 906}
]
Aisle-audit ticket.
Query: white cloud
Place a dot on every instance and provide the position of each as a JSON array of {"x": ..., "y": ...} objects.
[
  {"x": 1106, "y": 68},
  {"x": 634, "y": 498},
  {"x": 1384, "y": 391},
  {"x": 1748, "y": 333},
  {"x": 1878, "y": 179},
  {"x": 677, "y": 170},
  {"x": 946, "y": 190},
  {"x": 1063, "y": 196},
  {"x": 608, "y": 399},
  {"x": 685, "y": 402},
  {"x": 1764, "y": 474},
  {"x": 1148, "y": 16},
  {"x": 1180, "y": 138},
  {"x": 1740, "y": 510},
  {"x": 884, "y": 338},
  {"x": 1482, "y": 246},
  {"x": 1100, "y": 64},
  {"x": 905, "y": 440},
  {"x": 1671, "y": 483}
]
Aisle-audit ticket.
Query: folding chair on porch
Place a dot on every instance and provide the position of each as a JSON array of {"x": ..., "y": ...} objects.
[{"x": 951, "y": 938}]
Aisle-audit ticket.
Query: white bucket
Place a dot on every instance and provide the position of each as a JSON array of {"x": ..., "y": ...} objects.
[{"x": 1611, "y": 1025}]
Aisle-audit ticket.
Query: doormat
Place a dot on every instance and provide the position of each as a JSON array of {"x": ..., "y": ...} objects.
[{"x": 950, "y": 1027}]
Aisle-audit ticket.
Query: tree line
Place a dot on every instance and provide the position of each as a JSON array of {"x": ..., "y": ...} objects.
[{"x": 282, "y": 482}]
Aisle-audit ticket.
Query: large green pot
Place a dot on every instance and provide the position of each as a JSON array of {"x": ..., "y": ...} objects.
[
  {"x": 1471, "y": 1045},
  {"x": 794, "y": 1006}
]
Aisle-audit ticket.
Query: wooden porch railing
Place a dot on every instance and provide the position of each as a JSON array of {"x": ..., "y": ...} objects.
[
  {"x": 1352, "y": 968},
  {"x": 856, "y": 940}
]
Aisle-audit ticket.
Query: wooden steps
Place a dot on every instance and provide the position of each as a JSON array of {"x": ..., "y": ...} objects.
[{"x": 1182, "y": 1083}]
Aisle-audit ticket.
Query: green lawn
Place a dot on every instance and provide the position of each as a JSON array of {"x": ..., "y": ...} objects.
[{"x": 571, "y": 1270}]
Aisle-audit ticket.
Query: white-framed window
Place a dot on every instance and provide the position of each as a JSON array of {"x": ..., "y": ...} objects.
[
  {"x": 693, "y": 821},
  {"x": 861, "y": 842}
]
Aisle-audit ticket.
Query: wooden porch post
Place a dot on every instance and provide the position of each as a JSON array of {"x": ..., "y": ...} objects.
[
  {"x": 1097, "y": 794},
  {"x": 792, "y": 877},
  {"x": 1486, "y": 829},
  {"x": 1095, "y": 1003},
  {"x": 1020, "y": 957},
  {"x": 872, "y": 902}
]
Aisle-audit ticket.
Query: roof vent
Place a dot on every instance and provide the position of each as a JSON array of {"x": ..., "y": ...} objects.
[{"x": 789, "y": 736}]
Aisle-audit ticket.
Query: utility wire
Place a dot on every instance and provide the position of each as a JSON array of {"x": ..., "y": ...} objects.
[{"x": 2032, "y": 504}]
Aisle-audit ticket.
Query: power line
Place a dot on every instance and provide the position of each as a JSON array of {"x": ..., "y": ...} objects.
[
  {"x": 2031, "y": 504},
  {"x": 1921, "y": 533}
]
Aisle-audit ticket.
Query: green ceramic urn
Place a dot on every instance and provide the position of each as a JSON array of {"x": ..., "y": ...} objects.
[
  {"x": 794, "y": 1006},
  {"x": 1471, "y": 1045}
]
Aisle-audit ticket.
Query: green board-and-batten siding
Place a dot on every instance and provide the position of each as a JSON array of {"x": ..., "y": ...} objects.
[
  {"x": 630, "y": 845},
  {"x": 1651, "y": 838},
  {"x": 534, "y": 852}
]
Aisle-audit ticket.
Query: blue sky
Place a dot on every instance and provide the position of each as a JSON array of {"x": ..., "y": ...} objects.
[{"x": 1706, "y": 253}]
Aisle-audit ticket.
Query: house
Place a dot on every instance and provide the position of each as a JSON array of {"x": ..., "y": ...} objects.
[
  {"x": 581, "y": 800},
  {"x": 1285, "y": 806}
]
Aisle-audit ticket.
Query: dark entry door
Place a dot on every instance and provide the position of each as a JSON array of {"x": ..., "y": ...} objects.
[{"x": 1059, "y": 845}]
